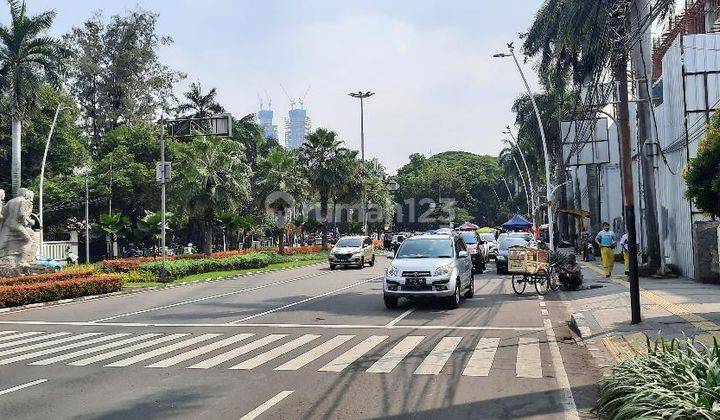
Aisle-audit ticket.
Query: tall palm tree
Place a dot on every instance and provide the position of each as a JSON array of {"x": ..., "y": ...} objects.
[
  {"x": 319, "y": 156},
  {"x": 199, "y": 105},
  {"x": 28, "y": 58}
]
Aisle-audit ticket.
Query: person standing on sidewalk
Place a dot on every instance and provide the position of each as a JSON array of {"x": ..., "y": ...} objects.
[
  {"x": 606, "y": 241},
  {"x": 626, "y": 252}
]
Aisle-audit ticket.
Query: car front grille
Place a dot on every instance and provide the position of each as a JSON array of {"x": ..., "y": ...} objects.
[
  {"x": 416, "y": 288},
  {"x": 343, "y": 256},
  {"x": 412, "y": 274}
]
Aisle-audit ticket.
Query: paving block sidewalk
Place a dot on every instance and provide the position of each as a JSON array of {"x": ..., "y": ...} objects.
[{"x": 676, "y": 308}]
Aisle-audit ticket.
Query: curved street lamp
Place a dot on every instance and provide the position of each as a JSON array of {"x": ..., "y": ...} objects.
[{"x": 362, "y": 95}]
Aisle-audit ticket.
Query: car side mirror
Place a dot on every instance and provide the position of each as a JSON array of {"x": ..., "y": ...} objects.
[{"x": 462, "y": 254}]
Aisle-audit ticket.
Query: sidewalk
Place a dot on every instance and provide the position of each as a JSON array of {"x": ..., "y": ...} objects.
[{"x": 676, "y": 308}]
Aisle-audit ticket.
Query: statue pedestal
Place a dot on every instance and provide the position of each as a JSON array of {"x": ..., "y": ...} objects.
[{"x": 7, "y": 270}]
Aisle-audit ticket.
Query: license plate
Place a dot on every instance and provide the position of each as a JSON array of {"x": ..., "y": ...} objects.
[{"x": 415, "y": 282}]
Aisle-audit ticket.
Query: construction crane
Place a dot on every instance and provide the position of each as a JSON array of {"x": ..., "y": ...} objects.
[
  {"x": 292, "y": 101},
  {"x": 302, "y": 100}
]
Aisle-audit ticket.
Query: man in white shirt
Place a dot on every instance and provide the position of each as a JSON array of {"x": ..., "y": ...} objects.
[{"x": 626, "y": 252}]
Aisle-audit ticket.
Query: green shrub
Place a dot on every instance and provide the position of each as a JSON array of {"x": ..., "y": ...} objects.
[
  {"x": 276, "y": 258},
  {"x": 139, "y": 276},
  {"x": 181, "y": 268},
  {"x": 671, "y": 381}
]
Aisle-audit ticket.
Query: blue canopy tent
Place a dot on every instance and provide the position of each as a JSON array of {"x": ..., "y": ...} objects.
[{"x": 517, "y": 222}]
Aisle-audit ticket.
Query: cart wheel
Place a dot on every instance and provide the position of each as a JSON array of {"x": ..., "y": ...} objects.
[
  {"x": 542, "y": 280},
  {"x": 518, "y": 284},
  {"x": 554, "y": 280}
]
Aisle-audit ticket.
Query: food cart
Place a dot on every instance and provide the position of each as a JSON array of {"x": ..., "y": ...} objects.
[{"x": 529, "y": 265}]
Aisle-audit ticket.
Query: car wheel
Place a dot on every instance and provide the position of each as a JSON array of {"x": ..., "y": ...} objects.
[
  {"x": 453, "y": 302},
  {"x": 482, "y": 268},
  {"x": 332, "y": 266},
  {"x": 391, "y": 302},
  {"x": 372, "y": 261},
  {"x": 362, "y": 263},
  {"x": 471, "y": 290}
]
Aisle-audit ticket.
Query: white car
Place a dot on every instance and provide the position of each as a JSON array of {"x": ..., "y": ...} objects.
[
  {"x": 352, "y": 251},
  {"x": 430, "y": 266}
]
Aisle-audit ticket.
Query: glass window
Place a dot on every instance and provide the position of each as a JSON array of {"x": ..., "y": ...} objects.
[
  {"x": 508, "y": 242},
  {"x": 426, "y": 248},
  {"x": 350, "y": 243},
  {"x": 469, "y": 237}
]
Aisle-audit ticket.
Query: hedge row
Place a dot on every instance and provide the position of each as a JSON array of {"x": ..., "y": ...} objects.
[
  {"x": 67, "y": 274},
  {"x": 23, "y": 294},
  {"x": 180, "y": 268}
]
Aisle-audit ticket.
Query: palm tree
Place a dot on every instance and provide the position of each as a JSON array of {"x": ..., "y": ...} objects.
[
  {"x": 113, "y": 224},
  {"x": 319, "y": 156},
  {"x": 28, "y": 58},
  {"x": 279, "y": 172},
  {"x": 199, "y": 105}
]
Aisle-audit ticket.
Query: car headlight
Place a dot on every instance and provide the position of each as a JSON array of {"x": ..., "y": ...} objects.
[
  {"x": 392, "y": 271},
  {"x": 443, "y": 270}
]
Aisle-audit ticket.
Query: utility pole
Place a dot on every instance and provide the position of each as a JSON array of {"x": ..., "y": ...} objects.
[
  {"x": 527, "y": 170},
  {"x": 641, "y": 59},
  {"x": 619, "y": 70}
]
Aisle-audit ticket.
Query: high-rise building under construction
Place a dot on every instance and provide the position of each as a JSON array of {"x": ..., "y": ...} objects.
[{"x": 297, "y": 126}]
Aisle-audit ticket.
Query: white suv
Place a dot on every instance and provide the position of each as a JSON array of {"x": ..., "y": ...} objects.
[
  {"x": 436, "y": 266},
  {"x": 352, "y": 250}
]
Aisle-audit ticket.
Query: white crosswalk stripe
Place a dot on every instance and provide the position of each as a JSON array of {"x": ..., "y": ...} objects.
[
  {"x": 199, "y": 351},
  {"x": 282, "y": 352},
  {"x": 528, "y": 363},
  {"x": 91, "y": 350},
  {"x": 41, "y": 353},
  {"x": 276, "y": 352},
  {"x": 20, "y": 335},
  {"x": 315, "y": 353},
  {"x": 393, "y": 357},
  {"x": 436, "y": 359},
  {"x": 111, "y": 354},
  {"x": 162, "y": 350},
  {"x": 32, "y": 339},
  {"x": 237, "y": 352},
  {"x": 46, "y": 344},
  {"x": 482, "y": 358},
  {"x": 350, "y": 356}
]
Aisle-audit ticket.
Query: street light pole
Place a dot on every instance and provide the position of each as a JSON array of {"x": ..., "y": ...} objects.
[
  {"x": 362, "y": 95},
  {"x": 516, "y": 144},
  {"x": 548, "y": 187},
  {"x": 87, "y": 219},
  {"x": 162, "y": 194},
  {"x": 41, "y": 201}
]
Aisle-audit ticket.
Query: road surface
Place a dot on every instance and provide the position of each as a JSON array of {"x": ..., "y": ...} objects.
[{"x": 302, "y": 343}]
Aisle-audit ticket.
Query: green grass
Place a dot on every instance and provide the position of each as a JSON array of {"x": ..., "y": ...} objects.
[{"x": 216, "y": 274}]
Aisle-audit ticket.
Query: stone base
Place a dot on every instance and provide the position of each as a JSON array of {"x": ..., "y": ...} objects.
[{"x": 24, "y": 270}]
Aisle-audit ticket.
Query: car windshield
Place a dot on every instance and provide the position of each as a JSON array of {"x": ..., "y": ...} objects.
[
  {"x": 426, "y": 248},
  {"x": 489, "y": 237},
  {"x": 349, "y": 243},
  {"x": 507, "y": 243},
  {"x": 469, "y": 237}
]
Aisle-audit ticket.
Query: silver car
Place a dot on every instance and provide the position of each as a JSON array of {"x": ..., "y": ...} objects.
[
  {"x": 352, "y": 251},
  {"x": 433, "y": 266}
]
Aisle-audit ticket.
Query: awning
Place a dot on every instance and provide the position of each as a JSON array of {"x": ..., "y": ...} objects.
[
  {"x": 575, "y": 212},
  {"x": 517, "y": 222},
  {"x": 468, "y": 226}
]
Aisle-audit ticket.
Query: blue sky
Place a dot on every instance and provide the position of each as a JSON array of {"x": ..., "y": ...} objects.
[{"x": 430, "y": 63}]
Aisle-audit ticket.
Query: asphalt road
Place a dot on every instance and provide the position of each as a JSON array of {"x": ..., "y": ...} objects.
[{"x": 303, "y": 343}]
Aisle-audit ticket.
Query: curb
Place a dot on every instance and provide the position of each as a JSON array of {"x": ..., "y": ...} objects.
[
  {"x": 579, "y": 324},
  {"x": 144, "y": 290}
]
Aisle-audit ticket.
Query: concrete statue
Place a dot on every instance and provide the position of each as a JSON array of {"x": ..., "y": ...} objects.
[{"x": 18, "y": 242}]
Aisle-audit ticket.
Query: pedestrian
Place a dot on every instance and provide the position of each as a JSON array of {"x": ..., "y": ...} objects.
[
  {"x": 605, "y": 239},
  {"x": 70, "y": 257},
  {"x": 570, "y": 274},
  {"x": 626, "y": 252}
]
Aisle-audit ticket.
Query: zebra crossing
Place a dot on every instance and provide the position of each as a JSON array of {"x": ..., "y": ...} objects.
[{"x": 374, "y": 354}]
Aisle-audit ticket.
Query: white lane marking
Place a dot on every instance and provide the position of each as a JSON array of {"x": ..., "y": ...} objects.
[
  {"x": 199, "y": 351},
  {"x": 350, "y": 356},
  {"x": 400, "y": 317},
  {"x": 290, "y": 305},
  {"x": 543, "y": 304},
  {"x": 278, "y": 325},
  {"x": 7, "y": 332},
  {"x": 528, "y": 363},
  {"x": 41, "y": 353},
  {"x": 19, "y": 387},
  {"x": 32, "y": 339},
  {"x": 276, "y": 352},
  {"x": 266, "y": 405},
  {"x": 438, "y": 356},
  {"x": 544, "y": 312},
  {"x": 393, "y": 357},
  {"x": 46, "y": 344},
  {"x": 313, "y": 354},
  {"x": 482, "y": 358},
  {"x": 187, "y": 302},
  {"x": 162, "y": 350},
  {"x": 96, "y": 349},
  {"x": 237, "y": 352},
  {"x": 567, "y": 400},
  {"x": 111, "y": 354},
  {"x": 20, "y": 335}
]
